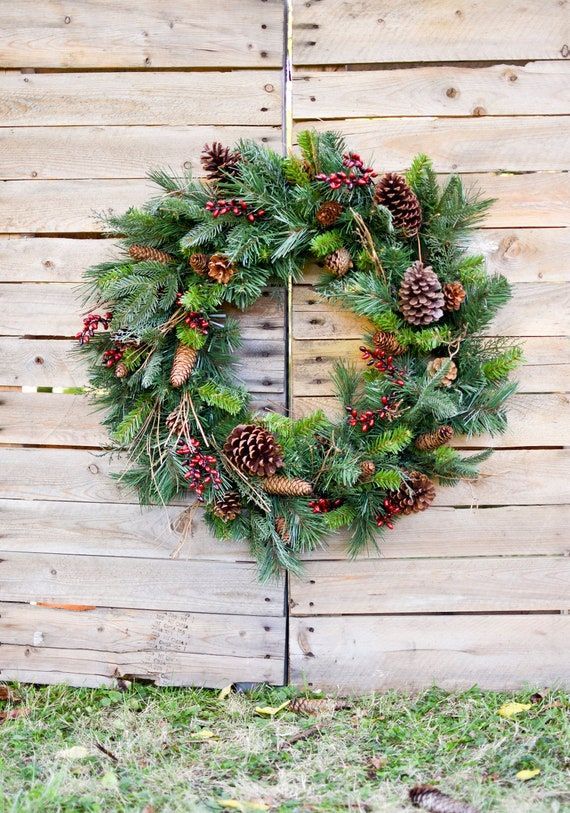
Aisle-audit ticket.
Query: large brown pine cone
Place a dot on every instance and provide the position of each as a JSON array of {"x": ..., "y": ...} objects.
[
  {"x": 329, "y": 212},
  {"x": 453, "y": 295},
  {"x": 253, "y": 450},
  {"x": 393, "y": 192},
  {"x": 416, "y": 494},
  {"x": 434, "y": 801},
  {"x": 182, "y": 365},
  {"x": 339, "y": 262},
  {"x": 388, "y": 343},
  {"x": 435, "y": 365},
  {"x": 433, "y": 440},
  {"x": 420, "y": 295},
  {"x": 199, "y": 263},
  {"x": 142, "y": 253},
  {"x": 221, "y": 268},
  {"x": 218, "y": 160},
  {"x": 287, "y": 486},
  {"x": 228, "y": 507}
]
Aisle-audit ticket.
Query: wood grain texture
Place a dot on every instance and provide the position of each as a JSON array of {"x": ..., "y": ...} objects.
[
  {"x": 442, "y": 585},
  {"x": 44, "y": 153},
  {"x": 546, "y": 367},
  {"x": 51, "y": 259},
  {"x": 107, "y": 529},
  {"x": 335, "y": 32},
  {"x": 119, "y": 630},
  {"x": 528, "y": 200},
  {"x": 149, "y": 584},
  {"x": 455, "y": 652},
  {"x": 480, "y": 144},
  {"x": 86, "y": 667},
  {"x": 175, "y": 98},
  {"x": 433, "y": 90},
  {"x": 516, "y": 477},
  {"x": 140, "y": 34}
]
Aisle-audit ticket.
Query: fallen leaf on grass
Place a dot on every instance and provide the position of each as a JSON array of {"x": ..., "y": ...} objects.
[
  {"x": 508, "y": 710},
  {"x": 75, "y": 752},
  {"x": 527, "y": 773},
  {"x": 243, "y": 807},
  {"x": 6, "y": 693},
  {"x": 271, "y": 711},
  {"x": 225, "y": 692},
  {"x": 204, "y": 734},
  {"x": 13, "y": 714}
]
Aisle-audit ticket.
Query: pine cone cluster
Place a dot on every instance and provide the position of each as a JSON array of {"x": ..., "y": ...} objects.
[
  {"x": 182, "y": 365},
  {"x": 339, "y": 262},
  {"x": 393, "y": 192},
  {"x": 434, "y": 801},
  {"x": 415, "y": 495},
  {"x": 453, "y": 295},
  {"x": 221, "y": 268},
  {"x": 218, "y": 161},
  {"x": 253, "y": 450},
  {"x": 433, "y": 440},
  {"x": 199, "y": 263},
  {"x": 420, "y": 296},
  {"x": 146, "y": 253},
  {"x": 435, "y": 365},
  {"x": 388, "y": 343},
  {"x": 284, "y": 486},
  {"x": 329, "y": 212},
  {"x": 228, "y": 507}
]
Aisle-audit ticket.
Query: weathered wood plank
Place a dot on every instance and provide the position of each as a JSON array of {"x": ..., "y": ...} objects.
[
  {"x": 51, "y": 363},
  {"x": 546, "y": 368},
  {"x": 84, "y": 667},
  {"x": 118, "y": 630},
  {"x": 174, "y": 98},
  {"x": 408, "y": 586},
  {"x": 536, "y": 309},
  {"x": 101, "y": 529},
  {"x": 146, "y": 584},
  {"x": 140, "y": 33},
  {"x": 55, "y": 310},
  {"x": 482, "y": 144},
  {"x": 51, "y": 259},
  {"x": 432, "y": 90},
  {"x": 511, "y": 477},
  {"x": 113, "y": 152},
  {"x": 495, "y": 652},
  {"x": 534, "y": 420},
  {"x": 528, "y": 200},
  {"x": 332, "y": 31}
]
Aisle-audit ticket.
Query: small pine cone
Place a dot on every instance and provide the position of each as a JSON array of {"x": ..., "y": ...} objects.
[
  {"x": 142, "y": 253},
  {"x": 435, "y": 365},
  {"x": 228, "y": 507},
  {"x": 393, "y": 192},
  {"x": 287, "y": 486},
  {"x": 175, "y": 421},
  {"x": 221, "y": 268},
  {"x": 368, "y": 469},
  {"x": 218, "y": 161},
  {"x": 310, "y": 705},
  {"x": 434, "y": 801},
  {"x": 199, "y": 263},
  {"x": 453, "y": 295},
  {"x": 281, "y": 528},
  {"x": 420, "y": 295},
  {"x": 415, "y": 495},
  {"x": 253, "y": 450},
  {"x": 433, "y": 440},
  {"x": 329, "y": 212},
  {"x": 388, "y": 343},
  {"x": 339, "y": 262},
  {"x": 182, "y": 365},
  {"x": 121, "y": 370}
]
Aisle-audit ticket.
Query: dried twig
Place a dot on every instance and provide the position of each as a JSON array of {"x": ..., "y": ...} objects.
[
  {"x": 368, "y": 242},
  {"x": 304, "y": 734}
]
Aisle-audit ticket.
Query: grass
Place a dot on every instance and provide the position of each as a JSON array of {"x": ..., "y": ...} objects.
[{"x": 188, "y": 750}]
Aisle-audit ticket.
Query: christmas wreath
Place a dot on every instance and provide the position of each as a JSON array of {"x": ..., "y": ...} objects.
[{"x": 393, "y": 249}]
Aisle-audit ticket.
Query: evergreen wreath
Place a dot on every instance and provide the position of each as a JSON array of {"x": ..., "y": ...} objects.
[{"x": 392, "y": 249}]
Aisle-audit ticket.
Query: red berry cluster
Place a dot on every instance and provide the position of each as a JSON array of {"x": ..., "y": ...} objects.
[
  {"x": 197, "y": 322},
  {"x": 113, "y": 355},
  {"x": 366, "y": 419},
  {"x": 202, "y": 469},
  {"x": 388, "y": 511},
  {"x": 389, "y": 410},
  {"x": 91, "y": 323},
  {"x": 323, "y": 505},
  {"x": 234, "y": 207},
  {"x": 359, "y": 175},
  {"x": 383, "y": 363}
]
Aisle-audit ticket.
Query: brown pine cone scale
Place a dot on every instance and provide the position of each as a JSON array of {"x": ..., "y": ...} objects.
[
  {"x": 142, "y": 253},
  {"x": 368, "y": 469},
  {"x": 339, "y": 262},
  {"x": 121, "y": 370},
  {"x": 388, "y": 343},
  {"x": 433, "y": 440},
  {"x": 228, "y": 507},
  {"x": 221, "y": 268},
  {"x": 416, "y": 494},
  {"x": 218, "y": 161},
  {"x": 420, "y": 296},
  {"x": 281, "y": 528},
  {"x": 253, "y": 450},
  {"x": 182, "y": 365},
  {"x": 329, "y": 212},
  {"x": 435, "y": 365},
  {"x": 453, "y": 295},
  {"x": 393, "y": 192},
  {"x": 284, "y": 486},
  {"x": 199, "y": 263}
]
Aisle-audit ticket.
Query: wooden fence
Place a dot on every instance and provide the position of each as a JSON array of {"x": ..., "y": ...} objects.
[{"x": 92, "y": 94}]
